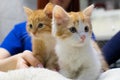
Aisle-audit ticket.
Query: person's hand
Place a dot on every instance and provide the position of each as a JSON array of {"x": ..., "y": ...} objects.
[
  {"x": 21, "y": 60},
  {"x": 26, "y": 59}
]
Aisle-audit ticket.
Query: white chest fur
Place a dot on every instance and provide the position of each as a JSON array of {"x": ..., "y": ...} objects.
[{"x": 75, "y": 60}]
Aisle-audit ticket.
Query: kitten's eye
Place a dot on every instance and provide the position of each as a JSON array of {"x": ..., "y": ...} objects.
[
  {"x": 30, "y": 26},
  {"x": 86, "y": 29},
  {"x": 73, "y": 29},
  {"x": 40, "y": 25}
]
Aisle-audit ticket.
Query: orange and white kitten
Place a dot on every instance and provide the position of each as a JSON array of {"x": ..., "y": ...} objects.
[
  {"x": 77, "y": 58},
  {"x": 43, "y": 43}
]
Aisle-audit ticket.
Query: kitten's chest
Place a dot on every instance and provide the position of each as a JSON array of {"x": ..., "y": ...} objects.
[
  {"x": 68, "y": 55},
  {"x": 74, "y": 58},
  {"x": 49, "y": 42},
  {"x": 44, "y": 44}
]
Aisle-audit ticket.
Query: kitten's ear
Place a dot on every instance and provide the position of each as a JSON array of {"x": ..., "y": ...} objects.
[
  {"x": 88, "y": 10},
  {"x": 48, "y": 9},
  {"x": 28, "y": 11},
  {"x": 60, "y": 15}
]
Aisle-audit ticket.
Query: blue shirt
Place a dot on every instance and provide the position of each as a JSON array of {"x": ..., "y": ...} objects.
[{"x": 19, "y": 40}]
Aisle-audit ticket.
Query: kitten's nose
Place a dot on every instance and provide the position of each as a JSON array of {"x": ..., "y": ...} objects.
[
  {"x": 34, "y": 32},
  {"x": 82, "y": 38}
]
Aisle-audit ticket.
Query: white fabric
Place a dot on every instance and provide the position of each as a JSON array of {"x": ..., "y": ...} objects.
[
  {"x": 31, "y": 74},
  {"x": 112, "y": 74}
]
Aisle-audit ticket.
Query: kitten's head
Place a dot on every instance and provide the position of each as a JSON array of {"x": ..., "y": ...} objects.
[
  {"x": 73, "y": 28},
  {"x": 39, "y": 21}
]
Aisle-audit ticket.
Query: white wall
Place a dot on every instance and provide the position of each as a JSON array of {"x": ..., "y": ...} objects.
[
  {"x": 83, "y": 4},
  {"x": 11, "y": 13}
]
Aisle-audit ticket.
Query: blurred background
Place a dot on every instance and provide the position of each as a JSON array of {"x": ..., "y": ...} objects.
[
  {"x": 105, "y": 17},
  {"x": 11, "y": 13}
]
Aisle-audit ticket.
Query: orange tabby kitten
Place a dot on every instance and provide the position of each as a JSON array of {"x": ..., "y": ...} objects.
[{"x": 39, "y": 27}]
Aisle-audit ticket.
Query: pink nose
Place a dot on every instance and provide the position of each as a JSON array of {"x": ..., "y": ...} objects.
[{"x": 83, "y": 38}]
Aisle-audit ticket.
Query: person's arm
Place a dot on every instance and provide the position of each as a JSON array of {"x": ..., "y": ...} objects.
[
  {"x": 21, "y": 60},
  {"x": 111, "y": 50},
  {"x": 4, "y": 53},
  {"x": 5, "y": 62}
]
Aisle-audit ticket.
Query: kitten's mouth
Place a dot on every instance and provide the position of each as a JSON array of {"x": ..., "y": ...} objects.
[
  {"x": 78, "y": 45},
  {"x": 33, "y": 35}
]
